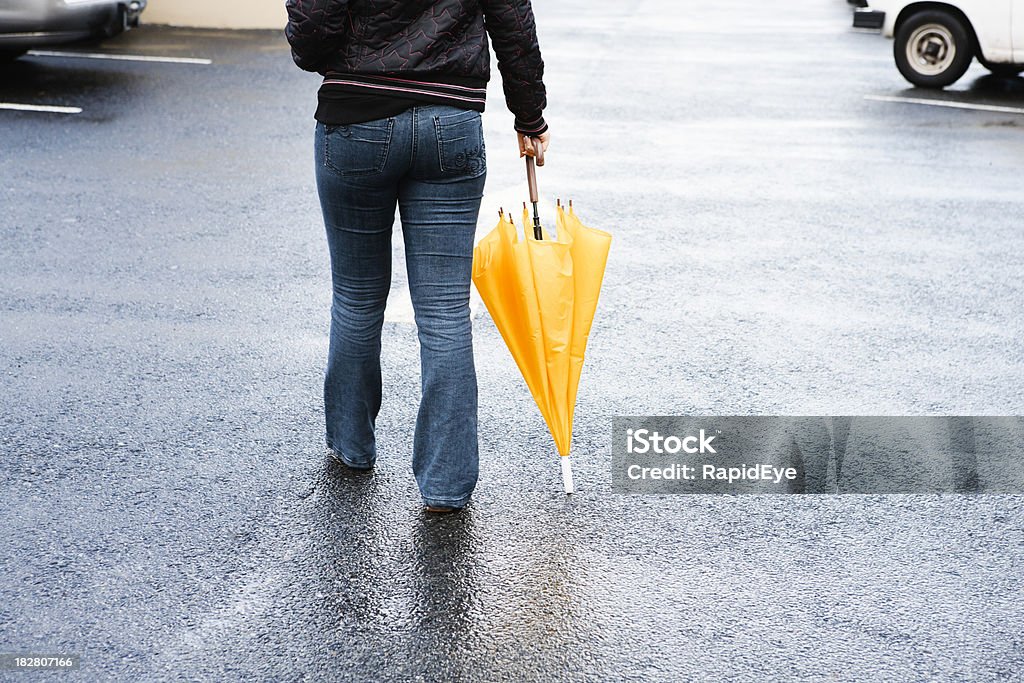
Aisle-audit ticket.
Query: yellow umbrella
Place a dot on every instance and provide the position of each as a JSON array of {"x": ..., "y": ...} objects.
[{"x": 542, "y": 294}]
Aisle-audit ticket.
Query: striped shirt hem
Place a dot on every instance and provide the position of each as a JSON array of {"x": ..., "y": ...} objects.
[
  {"x": 467, "y": 93},
  {"x": 407, "y": 87}
]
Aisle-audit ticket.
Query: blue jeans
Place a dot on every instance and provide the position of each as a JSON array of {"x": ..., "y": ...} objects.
[{"x": 429, "y": 162}]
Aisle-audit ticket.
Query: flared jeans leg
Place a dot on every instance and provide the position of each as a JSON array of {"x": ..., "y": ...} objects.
[
  {"x": 438, "y": 225},
  {"x": 359, "y": 217}
]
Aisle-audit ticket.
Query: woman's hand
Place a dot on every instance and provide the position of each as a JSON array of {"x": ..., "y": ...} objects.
[{"x": 526, "y": 143}]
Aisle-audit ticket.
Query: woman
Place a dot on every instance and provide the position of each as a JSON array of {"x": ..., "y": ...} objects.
[{"x": 398, "y": 124}]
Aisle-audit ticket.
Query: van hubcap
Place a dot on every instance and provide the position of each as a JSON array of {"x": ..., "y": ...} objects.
[{"x": 931, "y": 49}]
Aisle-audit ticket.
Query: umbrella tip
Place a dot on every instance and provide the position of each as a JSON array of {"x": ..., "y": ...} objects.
[{"x": 567, "y": 474}]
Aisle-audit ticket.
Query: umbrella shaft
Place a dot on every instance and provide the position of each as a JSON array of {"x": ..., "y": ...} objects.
[{"x": 531, "y": 180}]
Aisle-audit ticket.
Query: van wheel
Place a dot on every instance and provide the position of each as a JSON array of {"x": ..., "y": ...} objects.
[{"x": 933, "y": 49}]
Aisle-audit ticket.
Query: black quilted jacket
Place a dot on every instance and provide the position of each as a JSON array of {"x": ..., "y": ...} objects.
[{"x": 436, "y": 49}]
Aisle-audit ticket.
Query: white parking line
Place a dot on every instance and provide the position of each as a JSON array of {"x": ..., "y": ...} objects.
[
  {"x": 123, "y": 58},
  {"x": 946, "y": 103},
  {"x": 40, "y": 107}
]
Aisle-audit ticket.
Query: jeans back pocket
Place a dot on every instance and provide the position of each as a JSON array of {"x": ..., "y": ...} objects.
[
  {"x": 460, "y": 144},
  {"x": 358, "y": 149}
]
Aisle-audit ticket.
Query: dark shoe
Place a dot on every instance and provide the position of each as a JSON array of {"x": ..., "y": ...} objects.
[
  {"x": 338, "y": 458},
  {"x": 440, "y": 510}
]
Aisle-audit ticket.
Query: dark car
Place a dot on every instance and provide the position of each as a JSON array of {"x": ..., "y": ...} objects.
[{"x": 25, "y": 24}]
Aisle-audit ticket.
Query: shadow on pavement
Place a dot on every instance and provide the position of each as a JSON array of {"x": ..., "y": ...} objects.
[{"x": 992, "y": 85}]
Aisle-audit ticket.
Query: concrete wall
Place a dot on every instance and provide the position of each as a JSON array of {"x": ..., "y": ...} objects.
[{"x": 217, "y": 13}]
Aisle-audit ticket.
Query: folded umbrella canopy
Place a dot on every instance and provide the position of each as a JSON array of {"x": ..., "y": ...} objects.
[{"x": 542, "y": 294}]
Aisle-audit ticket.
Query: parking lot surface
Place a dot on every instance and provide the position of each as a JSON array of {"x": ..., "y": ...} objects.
[{"x": 792, "y": 236}]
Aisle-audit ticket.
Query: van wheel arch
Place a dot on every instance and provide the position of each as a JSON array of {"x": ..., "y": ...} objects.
[{"x": 911, "y": 10}]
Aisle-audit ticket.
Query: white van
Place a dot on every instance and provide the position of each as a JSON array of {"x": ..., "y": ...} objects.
[{"x": 935, "y": 41}]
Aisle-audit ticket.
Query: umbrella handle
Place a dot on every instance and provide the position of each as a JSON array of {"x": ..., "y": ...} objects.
[{"x": 531, "y": 168}]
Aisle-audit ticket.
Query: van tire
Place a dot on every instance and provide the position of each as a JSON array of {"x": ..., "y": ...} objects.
[{"x": 933, "y": 48}]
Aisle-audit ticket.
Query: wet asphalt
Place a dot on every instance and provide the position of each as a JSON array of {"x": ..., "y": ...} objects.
[{"x": 782, "y": 246}]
